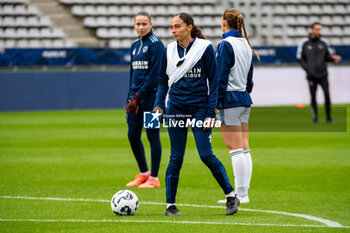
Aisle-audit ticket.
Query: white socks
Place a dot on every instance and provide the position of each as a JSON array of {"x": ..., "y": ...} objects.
[
  {"x": 231, "y": 194},
  {"x": 242, "y": 170},
  {"x": 144, "y": 173},
  {"x": 169, "y": 204},
  {"x": 249, "y": 163}
]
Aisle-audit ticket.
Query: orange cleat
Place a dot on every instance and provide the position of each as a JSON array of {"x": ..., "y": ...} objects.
[
  {"x": 150, "y": 183},
  {"x": 139, "y": 179}
]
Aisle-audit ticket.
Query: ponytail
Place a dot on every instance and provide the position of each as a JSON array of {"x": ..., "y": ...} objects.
[
  {"x": 188, "y": 20},
  {"x": 196, "y": 32},
  {"x": 235, "y": 20}
]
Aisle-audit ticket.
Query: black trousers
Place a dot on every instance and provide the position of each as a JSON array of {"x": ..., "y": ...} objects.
[{"x": 323, "y": 82}]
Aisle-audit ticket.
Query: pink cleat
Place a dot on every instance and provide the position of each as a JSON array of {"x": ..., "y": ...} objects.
[
  {"x": 150, "y": 183},
  {"x": 139, "y": 179}
]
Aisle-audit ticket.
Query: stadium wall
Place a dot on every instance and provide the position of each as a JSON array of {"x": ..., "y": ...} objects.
[
  {"x": 58, "y": 90},
  {"x": 55, "y": 90}
]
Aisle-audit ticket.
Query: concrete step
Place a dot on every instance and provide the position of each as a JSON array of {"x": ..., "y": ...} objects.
[{"x": 62, "y": 18}]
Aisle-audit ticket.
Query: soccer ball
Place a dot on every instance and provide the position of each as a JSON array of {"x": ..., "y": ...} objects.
[{"x": 125, "y": 202}]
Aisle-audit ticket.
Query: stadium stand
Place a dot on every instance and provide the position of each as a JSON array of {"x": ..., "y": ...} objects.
[
  {"x": 23, "y": 26},
  {"x": 292, "y": 18},
  {"x": 109, "y": 23}
]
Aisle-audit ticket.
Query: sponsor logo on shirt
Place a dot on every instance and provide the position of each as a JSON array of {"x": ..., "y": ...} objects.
[
  {"x": 194, "y": 73},
  {"x": 140, "y": 65},
  {"x": 144, "y": 49}
]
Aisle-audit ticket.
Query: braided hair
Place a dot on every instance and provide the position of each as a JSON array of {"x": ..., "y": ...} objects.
[{"x": 235, "y": 20}]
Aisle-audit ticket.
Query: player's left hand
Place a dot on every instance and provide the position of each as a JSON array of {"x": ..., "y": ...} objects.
[
  {"x": 336, "y": 58},
  {"x": 208, "y": 123},
  {"x": 133, "y": 105}
]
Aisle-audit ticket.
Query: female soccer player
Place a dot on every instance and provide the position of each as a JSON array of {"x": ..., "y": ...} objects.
[
  {"x": 146, "y": 55},
  {"x": 189, "y": 72},
  {"x": 235, "y": 72}
]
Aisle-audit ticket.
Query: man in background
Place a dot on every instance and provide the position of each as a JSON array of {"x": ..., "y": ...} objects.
[{"x": 313, "y": 53}]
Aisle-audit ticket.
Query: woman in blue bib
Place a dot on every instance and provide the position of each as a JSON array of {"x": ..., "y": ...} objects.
[{"x": 188, "y": 72}]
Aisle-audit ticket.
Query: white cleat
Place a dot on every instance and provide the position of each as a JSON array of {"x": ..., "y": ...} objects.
[{"x": 243, "y": 200}]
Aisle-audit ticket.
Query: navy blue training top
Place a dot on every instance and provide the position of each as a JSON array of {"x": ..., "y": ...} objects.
[
  {"x": 192, "y": 89},
  {"x": 225, "y": 61},
  {"x": 146, "y": 57}
]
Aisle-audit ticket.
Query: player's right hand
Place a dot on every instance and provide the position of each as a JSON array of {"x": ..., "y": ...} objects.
[{"x": 158, "y": 109}]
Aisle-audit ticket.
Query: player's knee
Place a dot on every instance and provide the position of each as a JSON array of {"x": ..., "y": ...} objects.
[
  {"x": 133, "y": 136},
  {"x": 153, "y": 136},
  {"x": 175, "y": 161},
  {"x": 207, "y": 157}
]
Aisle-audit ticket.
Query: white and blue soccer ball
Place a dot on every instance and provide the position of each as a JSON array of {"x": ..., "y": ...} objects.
[{"x": 125, "y": 202}]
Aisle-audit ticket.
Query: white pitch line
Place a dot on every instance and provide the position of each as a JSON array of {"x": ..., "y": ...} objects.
[
  {"x": 161, "y": 221},
  {"x": 329, "y": 223}
]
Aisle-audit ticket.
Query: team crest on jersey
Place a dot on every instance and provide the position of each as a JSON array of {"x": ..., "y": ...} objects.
[
  {"x": 309, "y": 47},
  {"x": 144, "y": 49},
  {"x": 320, "y": 46},
  {"x": 133, "y": 52}
]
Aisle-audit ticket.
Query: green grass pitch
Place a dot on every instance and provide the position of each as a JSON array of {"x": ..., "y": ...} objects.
[{"x": 86, "y": 155}]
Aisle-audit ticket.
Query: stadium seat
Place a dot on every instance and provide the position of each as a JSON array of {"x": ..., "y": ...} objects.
[
  {"x": 303, "y": 9},
  {"x": 33, "y": 33},
  {"x": 292, "y": 9},
  {"x": 337, "y": 31},
  {"x": 34, "y": 43},
  {"x": 20, "y": 21},
  {"x": 113, "y": 21},
  {"x": 346, "y": 40},
  {"x": 163, "y": 32},
  {"x": 347, "y": 30},
  {"x": 9, "y": 21},
  {"x": 78, "y": 10},
  {"x": 32, "y": 10},
  {"x": 89, "y": 10},
  {"x": 103, "y": 33},
  {"x": 341, "y": 9},
  {"x": 327, "y": 9},
  {"x": 45, "y": 22},
  {"x": 113, "y": 33},
  {"x": 58, "y": 44},
  {"x": 70, "y": 44},
  {"x": 102, "y": 22},
  {"x": 335, "y": 41},
  {"x": 22, "y": 43},
  {"x": 22, "y": 33},
  {"x": 46, "y": 43},
  {"x": 33, "y": 21},
  {"x": 347, "y": 19},
  {"x": 113, "y": 10},
  {"x": 45, "y": 33},
  {"x": 326, "y": 31},
  {"x": 10, "y": 43},
  {"x": 338, "y": 20},
  {"x": 315, "y": 9},
  {"x": 101, "y": 10}
]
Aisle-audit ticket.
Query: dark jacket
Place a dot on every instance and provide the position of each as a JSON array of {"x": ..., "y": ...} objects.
[
  {"x": 146, "y": 57},
  {"x": 313, "y": 55}
]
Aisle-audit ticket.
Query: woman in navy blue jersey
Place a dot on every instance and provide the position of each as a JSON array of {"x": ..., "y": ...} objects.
[
  {"x": 189, "y": 73},
  {"x": 235, "y": 73},
  {"x": 146, "y": 55}
]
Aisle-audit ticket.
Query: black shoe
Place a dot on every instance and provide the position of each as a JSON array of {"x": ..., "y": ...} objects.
[
  {"x": 315, "y": 121},
  {"x": 330, "y": 121},
  {"x": 232, "y": 204},
  {"x": 172, "y": 211}
]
